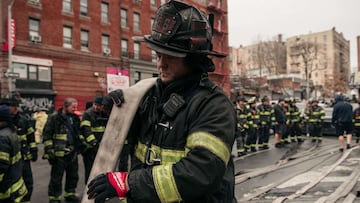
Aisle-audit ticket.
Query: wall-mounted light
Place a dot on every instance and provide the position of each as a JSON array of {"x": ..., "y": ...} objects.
[{"x": 96, "y": 74}]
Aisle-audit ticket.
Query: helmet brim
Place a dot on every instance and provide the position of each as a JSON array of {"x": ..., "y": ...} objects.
[
  {"x": 167, "y": 51},
  {"x": 177, "y": 52}
]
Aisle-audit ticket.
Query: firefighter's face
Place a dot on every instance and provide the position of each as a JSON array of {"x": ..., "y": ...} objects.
[
  {"x": 14, "y": 109},
  {"x": 97, "y": 107},
  {"x": 72, "y": 108},
  {"x": 170, "y": 67}
]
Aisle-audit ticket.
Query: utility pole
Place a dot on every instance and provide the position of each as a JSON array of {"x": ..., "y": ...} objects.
[{"x": 10, "y": 45}]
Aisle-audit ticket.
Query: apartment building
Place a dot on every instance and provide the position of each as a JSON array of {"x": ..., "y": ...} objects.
[
  {"x": 85, "y": 48},
  {"x": 323, "y": 61}
]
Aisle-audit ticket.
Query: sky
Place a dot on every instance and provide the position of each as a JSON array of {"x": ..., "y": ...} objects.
[{"x": 254, "y": 20}]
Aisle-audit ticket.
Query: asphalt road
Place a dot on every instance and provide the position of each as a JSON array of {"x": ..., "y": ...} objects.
[{"x": 270, "y": 175}]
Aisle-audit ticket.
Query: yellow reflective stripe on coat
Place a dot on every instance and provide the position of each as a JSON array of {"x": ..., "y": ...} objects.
[
  {"x": 166, "y": 156},
  {"x": 18, "y": 186},
  {"x": 99, "y": 129},
  {"x": 30, "y": 130},
  {"x": 22, "y": 137},
  {"x": 60, "y": 136},
  {"x": 5, "y": 157},
  {"x": 165, "y": 184},
  {"x": 210, "y": 142},
  {"x": 1, "y": 176},
  {"x": 90, "y": 138},
  {"x": 48, "y": 143},
  {"x": 85, "y": 123},
  {"x": 15, "y": 158}
]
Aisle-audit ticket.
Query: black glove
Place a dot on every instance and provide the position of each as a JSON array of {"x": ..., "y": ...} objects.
[
  {"x": 117, "y": 97},
  {"x": 101, "y": 189},
  {"x": 34, "y": 154}
]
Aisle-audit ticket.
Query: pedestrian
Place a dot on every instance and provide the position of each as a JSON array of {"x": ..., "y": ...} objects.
[
  {"x": 254, "y": 124},
  {"x": 243, "y": 117},
  {"x": 61, "y": 142},
  {"x": 92, "y": 127},
  {"x": 342, "y": 117},
  {"x": 185, "y": 125},
  {"x": 315, "y": 118},
  {"x": 267, "y": 118},
  {"x": 356, "y": 122},
  {"x": 40, "y": 117},
  {"x": 280, "y": 122},
  {"x": 12, "y": 185},
  {"x": 25, "y": 132}
]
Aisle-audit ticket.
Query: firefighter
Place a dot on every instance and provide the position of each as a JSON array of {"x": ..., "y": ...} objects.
[
  {"x": 280, "y": 122},
  {"x": 267, "y": 118},
  {"x": 61, "y": 141},
  {"x": 294, "y": 119},
  {"x": 254, "y": 123},
  {"x": 92, "y": 128},
  {"x": 356, "y": 122},
  {"x": 25, "y": 132},
  {"x": 285, "y": 136},
  {"x": 12, "y": 185},
  {"x": 315, "y": 117},
  {"x": 184, "y": 127},
  {"x": 243, "y": 116}
]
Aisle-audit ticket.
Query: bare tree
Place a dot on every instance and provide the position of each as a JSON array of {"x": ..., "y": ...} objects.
[{"x": 306, "y": 54}]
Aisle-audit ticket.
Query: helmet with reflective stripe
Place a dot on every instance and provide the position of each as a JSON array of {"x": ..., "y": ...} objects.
[{"x": 180, "y": 29}]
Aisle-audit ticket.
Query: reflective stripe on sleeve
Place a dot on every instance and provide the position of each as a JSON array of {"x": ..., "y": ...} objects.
[
  {"x": 85, "y": 123},
  {"x": 165, "y": 184},
  {"x": 210, "y": 142}
]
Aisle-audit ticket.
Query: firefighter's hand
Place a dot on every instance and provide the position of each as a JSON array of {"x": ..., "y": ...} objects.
[
  {"x": 111, "y": 184},
  {"x": 117, "y": 97}
]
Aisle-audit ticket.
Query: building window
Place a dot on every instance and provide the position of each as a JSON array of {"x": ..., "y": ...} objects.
[
  {"x": 105, "y": 41},
  {"x": 153, "y": 56},
  {"x": 84, "y": 40},
  {"x": 124, "y": 18},
  {"x": 124, "y": 48},
  {"x": 136, "y": 22},
  {"x": 33, "y": 72},
  {"x": 137, "y": 50},
  {"x": 153, "y": 3},
  {"x": 67, "y": 6},
  {"x": 67, "y": 37},
  {"x": 104, "y": 12},
  {"x": 84, "y": 8},
  {"x": 137, "y": 76},
  {"x": 34, "y": 27}
]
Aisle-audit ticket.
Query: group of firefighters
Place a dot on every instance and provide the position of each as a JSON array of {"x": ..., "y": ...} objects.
[
  {"x": 65, "y": 136},
  {"x": 255, "y": 122}
]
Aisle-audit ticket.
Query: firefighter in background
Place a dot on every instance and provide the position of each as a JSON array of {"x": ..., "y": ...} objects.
[
  {"x": 92, "y": 128},
  {"x": 356, "y": 122},
  {"x": 254, "y": 121},
  {"x": 267, "y": 117},
  {"x": 294, "y": 119},
  {"x": 243, "y": 115},
  {"x": 12, "y": 186},
  {"x": 25, "y": 132},
  {"x": 61, "y": 146},
  {"x": 285, "y": 137},
  {"x": 315, "y": 117}
]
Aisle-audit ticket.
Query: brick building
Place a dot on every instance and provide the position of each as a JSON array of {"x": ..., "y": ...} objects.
[{"x": 69, "y": 48}]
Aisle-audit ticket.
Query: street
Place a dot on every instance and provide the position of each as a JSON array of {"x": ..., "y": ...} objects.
[{"x": 308, "y": 172}]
